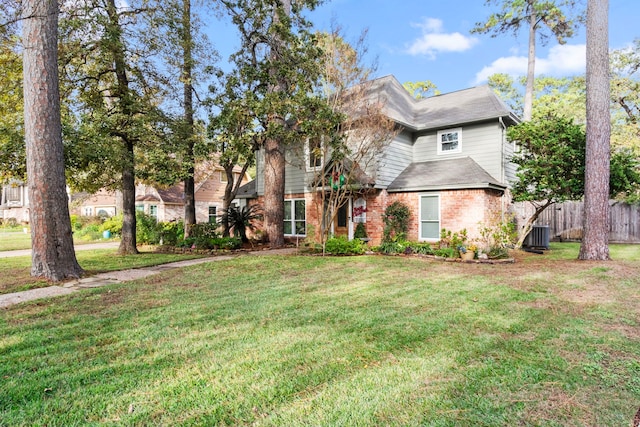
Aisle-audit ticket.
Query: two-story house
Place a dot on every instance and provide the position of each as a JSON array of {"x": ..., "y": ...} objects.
[{"x": 449, "y": 164}]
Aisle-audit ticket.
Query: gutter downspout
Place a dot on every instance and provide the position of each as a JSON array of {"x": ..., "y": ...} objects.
[{"x": 502, "y": 169}]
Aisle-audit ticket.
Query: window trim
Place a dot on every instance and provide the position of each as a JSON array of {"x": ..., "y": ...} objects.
[
  {"x": 215, "y": 215},
  {"x": 420, "y": 221},
  {"x": 157, "y": 211},
  {"x": 307, "y": 155},
  {"x": 439, "y": 141},
  {"x": 293, "y": 220}
]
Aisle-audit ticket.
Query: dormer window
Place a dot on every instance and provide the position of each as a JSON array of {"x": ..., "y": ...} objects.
[{"x": 450, "y": 141}]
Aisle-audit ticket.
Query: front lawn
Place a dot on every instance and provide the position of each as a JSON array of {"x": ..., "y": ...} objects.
[
  {"x": 360, "y": 341},
  {"x": 15, "y": 272},
  {"x": 11, "y": 239}
]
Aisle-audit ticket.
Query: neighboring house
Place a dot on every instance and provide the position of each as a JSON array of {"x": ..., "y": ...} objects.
[
  {"x": 163, "y": 204},
  {"x": 449, "y": 164},
  {"x": 14, "y": 202},
  {"x": 104, "y": 203}
]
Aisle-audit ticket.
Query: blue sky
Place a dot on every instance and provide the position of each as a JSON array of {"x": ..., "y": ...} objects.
[{"x": 430, "y": 40}]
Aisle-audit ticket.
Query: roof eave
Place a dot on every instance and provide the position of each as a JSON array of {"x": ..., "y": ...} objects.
[{"x": 474, "y": 186}]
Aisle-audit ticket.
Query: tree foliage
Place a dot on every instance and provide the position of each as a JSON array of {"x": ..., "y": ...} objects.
[
  {"x": 551, "y": 165},
  {"x": 12, "y": 150},
  {"x": 625, "y": 95},
  {"x": 422, "y": 89},
  {"x": 566, "y": 97}
]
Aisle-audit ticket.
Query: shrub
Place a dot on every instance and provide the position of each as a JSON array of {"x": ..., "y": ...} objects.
[
  {"x": 224, "y": 243},
  {"x": 342, "y": 246},
  {"x": 501, "y": 234},
  {"x": 396, "y": 222},
  {"x": 392, "y": 246},
  {"x": 360, "y": 231},
  {"x": 113, "y": 225},
  {"x": 422, "y": 248},
  {"x": 89, "y": 232},
  {"x": 171, "y": 232},
  {"x": 147, "y": 230},
  {"x": 205, "y": 229},
  {"x": 446, "y": 252}
]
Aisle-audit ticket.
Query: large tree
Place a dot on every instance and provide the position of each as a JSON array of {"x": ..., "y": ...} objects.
[
  {"x": 276, "y": 72},
  {"x": 595, "y": 240},
  {"x": 536, "y": 16},
  {"x": 53, "y": 255},
  {"x": 113, "y": 90}
]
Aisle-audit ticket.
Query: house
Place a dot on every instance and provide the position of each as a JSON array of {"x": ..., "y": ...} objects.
[
  {"x": 449, "y": 164},
  {"x": 14, "y": 202},
  {"x": 164, "y": 204}
]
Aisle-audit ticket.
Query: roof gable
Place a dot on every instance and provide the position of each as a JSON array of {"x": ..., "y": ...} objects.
[{"x": 436, "y": 112}]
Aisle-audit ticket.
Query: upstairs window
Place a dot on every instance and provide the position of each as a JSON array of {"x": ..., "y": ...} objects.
[
  {"x": 450, "y": 141},
  {"x": 14, "y": 193},
  {"x": 313, "y": 153}
]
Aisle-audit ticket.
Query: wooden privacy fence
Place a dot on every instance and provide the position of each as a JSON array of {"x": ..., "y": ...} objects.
[{"x": 565, "y": 221}]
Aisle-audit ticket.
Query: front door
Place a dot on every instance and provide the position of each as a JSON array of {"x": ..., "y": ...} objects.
[{"x": 343, "y": 225}]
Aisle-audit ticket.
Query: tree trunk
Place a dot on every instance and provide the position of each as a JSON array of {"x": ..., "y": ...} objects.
[
  {"x": 274, "y": 161},
  {"x": 531, "y": 64},
  {"x": 274, "y": 170},
  {"x": 128, "y": 240},
  {"x": 187, "y": 79},
  {"x": 529, "y": 224},
  {"x": 595, "y": 241},
  {"x": 53, "y": 256}
]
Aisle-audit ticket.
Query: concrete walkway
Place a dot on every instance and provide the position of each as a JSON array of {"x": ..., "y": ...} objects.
[{"x": 103, "y": 279}]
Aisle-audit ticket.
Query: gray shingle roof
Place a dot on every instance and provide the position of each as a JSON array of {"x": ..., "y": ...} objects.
[
  {"x": 451, "y": 174},
  {"x": 455, "y": 108},
  {"x": 247, "y": 191}
]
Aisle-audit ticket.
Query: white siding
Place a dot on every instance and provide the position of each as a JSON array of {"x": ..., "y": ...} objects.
[
  {"x": 482, "y": 142},
  {"x": 398, "y": 155}
]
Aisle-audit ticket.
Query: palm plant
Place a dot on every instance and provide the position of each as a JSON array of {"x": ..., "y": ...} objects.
[{"x": 241, "y": 219}]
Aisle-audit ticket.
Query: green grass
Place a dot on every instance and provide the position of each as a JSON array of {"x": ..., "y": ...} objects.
[
  {"x": 364, "y": 341},
  {"x": 15, "y": 271},
  {"x": 11, "y": 240}
]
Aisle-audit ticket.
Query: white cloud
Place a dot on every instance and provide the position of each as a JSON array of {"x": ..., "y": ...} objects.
[
  {"x": 434, "y": 40},
  {"x": 562, "y": 60}
]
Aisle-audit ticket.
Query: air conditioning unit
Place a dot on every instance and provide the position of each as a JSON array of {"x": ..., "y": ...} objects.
[{"x": 538, "y": 237}]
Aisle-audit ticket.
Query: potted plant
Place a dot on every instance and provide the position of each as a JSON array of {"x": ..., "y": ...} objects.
[{"x": 467, "y": 251}]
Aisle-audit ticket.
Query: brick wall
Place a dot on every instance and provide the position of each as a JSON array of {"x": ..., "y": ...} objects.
[{"x": 459, "y": 209}]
